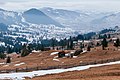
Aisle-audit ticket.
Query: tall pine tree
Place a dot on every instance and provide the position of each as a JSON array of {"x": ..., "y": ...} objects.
[{"x": 104, "y": 43}]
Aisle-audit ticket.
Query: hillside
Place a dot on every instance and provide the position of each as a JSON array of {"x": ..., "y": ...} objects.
[
  {"x": 31, "y": 24},
  {"x": 48, "y": 60},
  {"x": 38, "y": 17},
  {"x": 100, "y": 73},
  {"x": 84, "y": 21},
  {"x": 45, "y": 59}
]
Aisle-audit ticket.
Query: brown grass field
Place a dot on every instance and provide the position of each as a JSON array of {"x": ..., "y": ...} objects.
[
  {"x": 45, "y": 61},
  {"x": 100, "y": 73}
]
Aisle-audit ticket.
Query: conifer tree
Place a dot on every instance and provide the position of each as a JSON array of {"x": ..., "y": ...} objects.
[
  {"x": 25, "y": 50},
  {"x": 117, "y": 43},
  {"x": 70, "y": 43},
  {"x": 104, "y": 43},
  {"x": 53, "y": 43},
  {"x": 88, "y": 48},
  {"x": 42, "y": 47},
  {"x": 8, "y": 60}
]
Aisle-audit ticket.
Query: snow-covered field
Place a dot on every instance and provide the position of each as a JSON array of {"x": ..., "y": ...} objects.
[{"x": 22, "y": 75}]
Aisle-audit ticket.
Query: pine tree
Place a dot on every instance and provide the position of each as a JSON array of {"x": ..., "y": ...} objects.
[
  {"x": 25, "y": 50},
  {"x": 109, "y": 36},
  {"x": 53, "y": 43},
  {"x": 9, "y": 49},
  {"x": 2, "y": 56},
  {"x": 8, "y": 60},
  {"x": 42, "y": 47},
  {"x": 104, "y": 43},
  {"x": 117, "y": 43},
  {"x": 104, "y": 36},
  {"x": 70, "y": 43},
  {"x": 88, "y": 48}
]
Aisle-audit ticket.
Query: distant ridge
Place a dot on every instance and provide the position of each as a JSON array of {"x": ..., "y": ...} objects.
[{"x": 38, "y": 17}]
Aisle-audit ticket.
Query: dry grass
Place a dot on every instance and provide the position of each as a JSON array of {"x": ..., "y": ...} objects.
[
  {"x": 44, "y": 59},
  {"x": 100, "y": 73}
]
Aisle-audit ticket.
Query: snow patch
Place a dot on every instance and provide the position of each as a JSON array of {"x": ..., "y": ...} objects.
[
  {"x": 53, "y": 53},
  {"x": 74, "y": 56},
  {"x": 56, "y": 60},
  {"x": 67, "y": 54},
  {"x": 35, "y": 51},
  {"x": 6, "y": 65},
  {"x": 19, "y": 64},
  {"x": 2, "y": 63},
  {"x": 84, "y": 51},
  {"x": 2, "y": 44},
  {"x": 55, "y": 57}
]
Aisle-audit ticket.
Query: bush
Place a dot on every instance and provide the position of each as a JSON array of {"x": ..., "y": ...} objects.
[
  {"x": 2, "y": 56},
  {"x": 77, "y": 52},
  {"x": 61, "y": 54}
]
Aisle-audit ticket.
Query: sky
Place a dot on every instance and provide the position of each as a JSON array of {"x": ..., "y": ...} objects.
[{"x": 97, "y": 5}]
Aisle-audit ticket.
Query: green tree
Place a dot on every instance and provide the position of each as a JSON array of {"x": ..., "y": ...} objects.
[
  {"x": 104, "y": 43},
  {"x": 70, "y": 43},
  {"x": 8, "y": 60},
  {"x": 53, "y": 43},
  {"x": 42, "y": 47},
  {"x": 117, "y": 43},
  {"x": 9, "y": 49},
  {"x": 63, "y": 43},
  {"x": 2, "y": 56},
  {"x": 109, "y": 36},
  {"x": 88, "y": 48},
  {"x": 25, "y": 50}
]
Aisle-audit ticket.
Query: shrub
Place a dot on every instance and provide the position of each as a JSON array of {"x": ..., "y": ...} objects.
[{"x": 77, "y": 52}]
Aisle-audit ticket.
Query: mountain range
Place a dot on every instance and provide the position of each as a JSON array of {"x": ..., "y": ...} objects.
[
  {"x": 33, "y": 25},
  {"x": 83, "y": 20},
  {"x": 47, "y": 23},
  {"x": 38, "y": 17}
]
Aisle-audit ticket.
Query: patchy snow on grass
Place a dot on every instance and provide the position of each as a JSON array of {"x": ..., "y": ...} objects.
[
  {"x": 72, "y": 52},
  {"x": 81, "y": 61},
  {"x": 67, "y": 54},
  {"x": 56, "y": 60},
  {"x": 21, "y": 75},
  {"x": 55, "y": 57},
  {"x": 84, "y": 51},
  {"x": 19, "y": 64},
  {"x": 2, "y": 63},
  {"x": 6, "y": 65},
  {"x": 53, "y": 53},
  {"x": 74, "y": 56},
  {"x": 36, "y": 51}
]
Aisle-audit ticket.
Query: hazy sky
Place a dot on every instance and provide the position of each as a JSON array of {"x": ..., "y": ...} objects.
[{"x": 100, "y": 5}]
